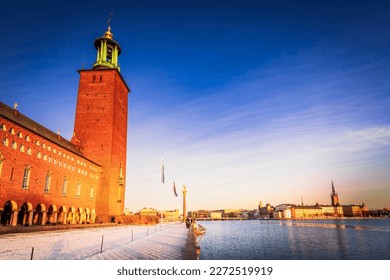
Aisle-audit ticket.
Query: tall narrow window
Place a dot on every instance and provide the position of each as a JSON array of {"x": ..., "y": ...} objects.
[
  {"x": 91, "y": 193},
  {"x": 26, "y": 177},
  {"x": 1, "y": 162},
  {"x": 47, "y": 182},
  {"x": 65, "y": 186},
  {"x": 78, "y": 190}
]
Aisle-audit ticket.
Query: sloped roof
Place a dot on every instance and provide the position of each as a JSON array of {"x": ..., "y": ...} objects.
[{"x": 15, "y": 116}]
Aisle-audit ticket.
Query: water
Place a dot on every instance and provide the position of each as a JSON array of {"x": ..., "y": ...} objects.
[{"x": 367, "y": 239}]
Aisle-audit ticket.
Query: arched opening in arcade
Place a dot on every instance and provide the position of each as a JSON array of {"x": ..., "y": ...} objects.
[
  {"x": 7, "y": 215},
  {"x": 52, "y": 215},
  {"x": 80, "y": 217},
  {"x": 40, "y": 215},
  {"x": 71, "y": 219},
  {"x": 62, "y": 215},
  {"x": 25, "y": 214}
]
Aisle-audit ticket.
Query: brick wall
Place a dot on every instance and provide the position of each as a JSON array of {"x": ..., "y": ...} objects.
[
  {"x": 101, "y": 132},
  {"x": 27, "y": 149}
]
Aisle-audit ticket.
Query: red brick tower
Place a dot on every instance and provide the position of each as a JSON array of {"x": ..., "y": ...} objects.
[{"x": 100, "y": 128}]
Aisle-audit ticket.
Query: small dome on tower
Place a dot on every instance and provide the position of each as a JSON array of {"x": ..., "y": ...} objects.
[{"x": 108, "y": 34}]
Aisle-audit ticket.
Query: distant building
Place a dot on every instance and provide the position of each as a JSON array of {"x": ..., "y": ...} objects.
[
  {"x": 148, "y": 212},
  {"x": 265, "y": 212},
  {"x": 317, "y": 211},
  {"x": 354, "y": 210},
  {"x": 170, "y": 215},
  {"x": 216, "y": 215},
  {"x": 306, "y": 212}
]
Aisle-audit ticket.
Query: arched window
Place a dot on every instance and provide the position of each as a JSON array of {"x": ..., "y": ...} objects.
[
  {"x": 65, "y": 186},
  {"x": 21, "y": 148},
  {"x": 39, "y": 155},
  {"x": 20, "y": 135},
  {"x": 29, "y": 151},
  {"x": 5, "y": 142},
  {"x": 12, "y": 131},
  {"x": 28, "y": 138},
  {"x": 37, "y": 143},
  {"x": 47, "y": 182},
  {"x": 26, "y": 177},
  {"x": 14, "y": 145},
  {"x": 3, "y": 127},
  {"x": 44, "y": 157}
]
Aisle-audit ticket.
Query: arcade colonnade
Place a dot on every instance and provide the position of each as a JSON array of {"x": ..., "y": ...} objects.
[{"x": 26, "y": 214}]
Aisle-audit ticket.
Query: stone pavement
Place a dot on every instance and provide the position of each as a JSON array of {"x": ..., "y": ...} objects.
[{"x": 173, "y": 243}]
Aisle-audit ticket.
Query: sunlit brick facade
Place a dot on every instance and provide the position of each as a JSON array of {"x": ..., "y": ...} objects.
[{"x": 45, "y": 178}]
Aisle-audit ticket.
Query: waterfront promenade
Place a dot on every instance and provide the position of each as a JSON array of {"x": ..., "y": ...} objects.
[{"x": 171, "y": 241}]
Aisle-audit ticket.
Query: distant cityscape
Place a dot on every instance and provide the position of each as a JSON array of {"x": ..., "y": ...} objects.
[{"x": 281, "y": 211}]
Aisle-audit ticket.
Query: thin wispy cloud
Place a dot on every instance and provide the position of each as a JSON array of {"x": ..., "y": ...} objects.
[{"x": 262, "y": 133}]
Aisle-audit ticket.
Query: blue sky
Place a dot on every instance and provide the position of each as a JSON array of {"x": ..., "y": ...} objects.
[{"x": 247, "y": 100}]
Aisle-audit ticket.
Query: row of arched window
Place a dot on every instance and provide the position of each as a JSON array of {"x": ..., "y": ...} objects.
[
  {"x": 38, "y": 143},
  {"x": 49, "y": 158}
]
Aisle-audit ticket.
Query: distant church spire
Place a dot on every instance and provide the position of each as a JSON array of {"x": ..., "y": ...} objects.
[
  {"x": 333, "y": 191},
  {"x": 334, "y": 198}
]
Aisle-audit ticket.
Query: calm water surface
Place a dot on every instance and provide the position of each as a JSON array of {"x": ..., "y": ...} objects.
[{"x": 297, "y": 240}]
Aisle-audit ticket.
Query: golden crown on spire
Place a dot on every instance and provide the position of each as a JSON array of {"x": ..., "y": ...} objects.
[{"x": 108, "y": 33}]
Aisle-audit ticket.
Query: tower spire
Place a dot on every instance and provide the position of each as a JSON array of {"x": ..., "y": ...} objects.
[
  {"x": 333, "y": 191},
  {"x": 334, "y": 196},
  {"x": 109, "y": 20},
  {"x": 108, "y": 50}
]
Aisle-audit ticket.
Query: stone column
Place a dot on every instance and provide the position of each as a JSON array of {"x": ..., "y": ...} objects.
[
  {"x": 14, "y": 218},
  {"x": 30, "y": 217},
  {"x": 54, "y": 217},
  {"x": 65, "y": 219},
  {"x": 44, "y": 214},
  {"x": 184, "y": 203}
]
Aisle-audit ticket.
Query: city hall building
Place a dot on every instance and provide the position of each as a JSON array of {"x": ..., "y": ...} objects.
[{"x": 46, "y": 179}]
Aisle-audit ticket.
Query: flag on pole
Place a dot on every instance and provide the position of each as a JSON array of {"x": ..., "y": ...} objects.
[
  {"x": 174, "y": 189},
  {"x": 162, "y": 172}
]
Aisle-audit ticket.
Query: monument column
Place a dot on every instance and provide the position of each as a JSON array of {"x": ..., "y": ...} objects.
[{"x": 184, "y": 203}]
